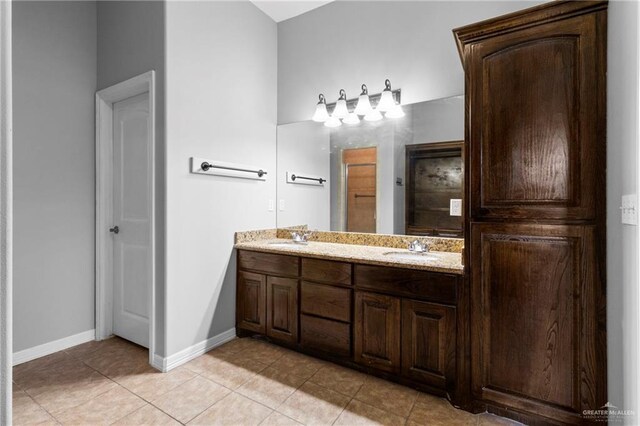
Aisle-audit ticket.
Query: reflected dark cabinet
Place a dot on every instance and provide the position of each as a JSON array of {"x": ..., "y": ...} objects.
[
  {"x": 434, "y": 176},
  {"x": 535, "y": 161}
]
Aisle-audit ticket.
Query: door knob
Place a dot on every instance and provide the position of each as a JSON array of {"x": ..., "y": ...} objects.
[{"x": 115, "y": 229}]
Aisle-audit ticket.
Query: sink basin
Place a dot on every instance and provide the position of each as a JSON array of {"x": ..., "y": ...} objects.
[
  {"x": 407, "y": 255},
  {"x": 286, "y": 244}
]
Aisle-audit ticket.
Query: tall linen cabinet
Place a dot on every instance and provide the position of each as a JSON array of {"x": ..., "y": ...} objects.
[{"x": 535, "y": 210}]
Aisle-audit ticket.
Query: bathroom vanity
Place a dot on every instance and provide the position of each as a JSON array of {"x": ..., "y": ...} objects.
[
  {"x": 522, "y": 331},
  {"x": 376, "y": 309}
]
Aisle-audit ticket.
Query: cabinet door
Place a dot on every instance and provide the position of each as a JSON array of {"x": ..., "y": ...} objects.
[
  {"x": 535, "y": 132},
  {"x": 377, "y": 331},
  {"x": 537, "y": 324},
  {"x": 429, "y": 342},
  {"x": 282, "y": 309},
  {"x": 252, "y": 301}
]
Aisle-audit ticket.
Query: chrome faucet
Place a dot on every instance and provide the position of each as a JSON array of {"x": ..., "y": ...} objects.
[
  {"x": 301, "y": 237},
  {"x": 418, "y": 246}
]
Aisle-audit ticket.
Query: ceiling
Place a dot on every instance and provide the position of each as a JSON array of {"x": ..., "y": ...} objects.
[{"x": 285, "y": 9}]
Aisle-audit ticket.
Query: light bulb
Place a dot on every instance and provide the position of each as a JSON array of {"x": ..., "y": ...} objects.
[
  {"x": 395, "y": 112},
  {"x": 341, "y": 110},
  {"x": 333, "y": 121},
  {"x": 373, "y": 115},
  {"x": 364, "y": 105},
  {"x": 352, "y": 118},
  {"x": 386, "y": 99},
  {"x": 321, "y": 115}
]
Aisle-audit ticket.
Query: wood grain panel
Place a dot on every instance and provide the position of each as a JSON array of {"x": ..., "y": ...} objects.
[
  {"x": 534, "y": 327},
  {"x": 326, "y": 301},
  {"x": 252, "y": 302},
  {"x": 326, "y": 271},
  {"x": 429, "y": 342},
  {"x": 325, "y": 335},
  {"x": 268, "y": 263},
  {"x": 282, "y": 309},
  {"x": 377, "y": 331},
  {"x": 360, "y": 155},
  {"x": 537, "y": 160},
  {"x": 534, "y": 125},
  {"x": 412, "y": 283}
]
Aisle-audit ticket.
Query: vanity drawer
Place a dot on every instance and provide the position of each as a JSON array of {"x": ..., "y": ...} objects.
[
  {"x": 412, "y": 283},
  {"x": 326, "y": 271},
  {"x": 268, "y": 263},
  {"x": 325, "y": 335},
  {"x": 326, "y": 301}
]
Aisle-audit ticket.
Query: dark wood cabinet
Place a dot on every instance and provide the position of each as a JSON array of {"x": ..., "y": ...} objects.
[
  {"x": 267, "y": 298},
  {"x": 282, "y": 309},
  {"x": 326, "y": 301},
  {"x": 404, "y": 324},
  {"x": 252, "y": 297},
  {"x": 536, "y": 113},
  {"x": 535, "y": 161},
  {"x": 377, "y": 331},
  {"x": 536, "y": 332},
  {"x": 429, "y": 342},
  {"x": 333, "y": 337}
]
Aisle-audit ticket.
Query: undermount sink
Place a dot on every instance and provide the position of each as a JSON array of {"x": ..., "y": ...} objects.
[
  {"x": 286, "y": 244},
  {"x": 407, "y": 255}
]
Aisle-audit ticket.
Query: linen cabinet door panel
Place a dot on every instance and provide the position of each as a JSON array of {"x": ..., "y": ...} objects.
[
  {"x": 377, "y": 331},
  {"x": 534, "y": 133},
  {"x": 429, "y": 342},
  {"x": 252, "y": 302},
  {"x": 535, "y": 330},
  {"x": 282, "y": 309}
]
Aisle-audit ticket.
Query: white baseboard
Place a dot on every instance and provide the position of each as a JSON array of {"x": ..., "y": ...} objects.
[
  {"x": 186, "y": 355},
  {"x": 51, "y": 347}
]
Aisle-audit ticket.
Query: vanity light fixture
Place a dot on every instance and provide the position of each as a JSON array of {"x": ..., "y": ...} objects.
[
  {"x": 373, "y": 115},
  {"x": 350, "y": 111},
  {"x": 321, "y": 115},
  {"x": 386, "y": 99},
  {"x": 395, "y": 112},
  {"x": 364, "y": 104},
  {"x": 352, "y": 118},
  {"x": 341, "y": 110},
  {"x": 333, "y": 121}
]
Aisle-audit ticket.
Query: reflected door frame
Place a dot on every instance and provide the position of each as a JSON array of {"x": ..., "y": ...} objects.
[{"x": 105, "y": 100}]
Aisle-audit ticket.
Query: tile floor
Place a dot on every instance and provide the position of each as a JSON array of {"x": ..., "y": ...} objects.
[{"x": 244, "y": 382}]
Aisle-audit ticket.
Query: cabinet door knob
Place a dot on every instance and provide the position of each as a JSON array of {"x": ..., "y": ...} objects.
[{"x": 115, "y": 229}]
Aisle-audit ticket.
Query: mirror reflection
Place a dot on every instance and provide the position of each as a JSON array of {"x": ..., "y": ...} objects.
[{"x": 393, "y": 176}]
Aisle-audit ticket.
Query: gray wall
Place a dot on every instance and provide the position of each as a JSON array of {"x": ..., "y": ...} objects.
[
  {"x": 221, "y": 105},
  {"x": 54, "y": 71},
  {"x": 131, "y": 41},
  {"x": 622, "y": 177},
  {"x": 347, "y": 43}
]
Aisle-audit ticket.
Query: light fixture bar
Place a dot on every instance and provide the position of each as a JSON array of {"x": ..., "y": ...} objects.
[{"x": 374, "y": 99}]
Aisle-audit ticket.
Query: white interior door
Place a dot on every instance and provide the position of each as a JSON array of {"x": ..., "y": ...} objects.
[{"x": 132, "y": 215}]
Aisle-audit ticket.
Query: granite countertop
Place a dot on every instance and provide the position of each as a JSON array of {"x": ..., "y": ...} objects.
[{"x": 372, "y": 255}]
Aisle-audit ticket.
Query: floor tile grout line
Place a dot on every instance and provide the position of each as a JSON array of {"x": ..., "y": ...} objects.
[
  {"x": 40, "y": 405},
  {"x": 342, "y": 411}
]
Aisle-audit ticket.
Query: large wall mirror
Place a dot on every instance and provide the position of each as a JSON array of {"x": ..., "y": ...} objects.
[{"x": 393, "y": 176}]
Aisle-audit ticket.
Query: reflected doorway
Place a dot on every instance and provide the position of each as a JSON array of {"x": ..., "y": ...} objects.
[{"x": 360, "y": 188}]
